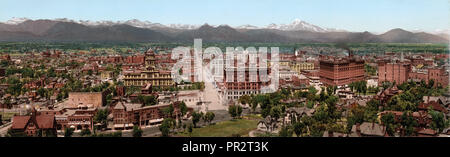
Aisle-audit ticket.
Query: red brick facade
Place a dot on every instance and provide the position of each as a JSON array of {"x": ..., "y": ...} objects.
[
  {"x": 127, "y": 115},
  {"x": 338, "y": 72},
  {"x": 439, "y": 76},
  {"x": 31, "y": 125},
  {"x": 393, "y": 72}
]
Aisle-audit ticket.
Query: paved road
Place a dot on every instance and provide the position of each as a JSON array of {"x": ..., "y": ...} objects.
[
  {"x": 4, "y": 129},
  {"x": 211, "y": 93}
]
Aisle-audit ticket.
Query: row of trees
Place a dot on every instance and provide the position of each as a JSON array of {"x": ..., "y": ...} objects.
[
  {"x": 359, "y": 114},
  {"x": 206, "y": 117},
  {"x": 170, "y": 122},
  {"x": 407, "y": 123},
  {"x": 168, "y": 125},
  {"x": 372, "y": 71},
  {"x": 147, "y": 100},
  {"x": 326, "y": 117},
  {"x": 193, "y": 86},
  {"x": 359, "y": 86}
]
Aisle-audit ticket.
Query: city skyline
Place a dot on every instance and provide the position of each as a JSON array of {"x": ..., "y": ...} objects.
[{"x": 354, "y": 16}]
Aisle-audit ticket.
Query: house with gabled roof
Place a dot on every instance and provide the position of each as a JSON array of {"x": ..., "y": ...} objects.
[{"x": 34, "y": 124}]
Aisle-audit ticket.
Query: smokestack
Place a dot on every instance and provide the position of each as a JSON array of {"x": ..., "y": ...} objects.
[
  {"x": 345, "y": 47},
  {"x": 401, "y": 58}
]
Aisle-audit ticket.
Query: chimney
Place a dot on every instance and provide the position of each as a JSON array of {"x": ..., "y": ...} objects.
[{"x": 401, "y": 58}]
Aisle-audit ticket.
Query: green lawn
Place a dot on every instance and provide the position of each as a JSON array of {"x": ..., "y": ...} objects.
[{"x": 224, "y": 129}]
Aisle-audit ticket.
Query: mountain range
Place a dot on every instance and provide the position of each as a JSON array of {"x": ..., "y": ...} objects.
[{"x": 65, "y": 30}]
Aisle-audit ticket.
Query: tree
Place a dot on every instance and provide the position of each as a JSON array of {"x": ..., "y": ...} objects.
[
  {"x": 117, "y": 134},
  {"x": 183, "y": 108},
  {"x": 403, "y": 102},
  {"x": 190, "y": 129},
  {"x": 49, "y": 133},
  {"x": 373, "y": 105},
  {"x": 431, "y": 83},
  {"x": 14, "y": 133},
  {"x": 356, "y": 115},
  {"x": 285, "y": 132},
  {"x": 68, "y": 132},
  {"x": 322, "y": 95},
  {"x": 196, "y": 118},
  {"x": 137, "y": 132},
  {"x": 389, "y": 122},
  {"x": 85, "y": 132},
  {"x": 386, "y": 85},
  {"x": 209, "y": 117},
  {"x": 438, "y": 122},
  {"x": 239, "y": 111},
  {"x": 275, "y": 112},
  {"x": 408, "y": 123},
  {"x": 370, "y": 70},
  {"x": 312, "y": 90},
  {"x": 90, "y": 72},
  {"x": 235, "y": 111},
  {"x": 101, "y": 116},
  {"x": 255, "y": 100},
  {"x": 51, "y": 72},
  {"x": 42, "y": 92},
  {"x": 39, "y": 133},
  {"x": 168, "y": 111},
  {"x": 165, "y": 127},
  {"x": 285, "y": 93},
  {"x": 147, "y": 100},
  {"x": 232, "y": 110},
  {"x": 331, "y": 90},
  {"x": 299, "y": 128},
  {"x": 245, "y": 99}
]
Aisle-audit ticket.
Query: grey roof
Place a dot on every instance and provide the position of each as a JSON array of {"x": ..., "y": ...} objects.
[
  {"x": 301, "y": 110},
  {"x": 127, "y": 106},
  {"x": 372, "y": 129}
]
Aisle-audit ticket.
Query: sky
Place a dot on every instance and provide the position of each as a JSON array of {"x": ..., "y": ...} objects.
[{"x": 352, "y": 15}]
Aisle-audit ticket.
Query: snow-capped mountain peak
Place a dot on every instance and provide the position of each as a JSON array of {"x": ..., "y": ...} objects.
[
  {"x": 141, "y": 24},
  {"x": 183, "y": 26},
  {"x": 272, "y": 26},
  {"x": 296, "y": 25},
  {"x": 247, "y": 27},
  {"x": 96, "y": 23},
  {"x": 16, "y": 20}
]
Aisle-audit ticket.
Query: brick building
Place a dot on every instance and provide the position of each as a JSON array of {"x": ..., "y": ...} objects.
[
  {"x": 438, "y": 75},
  {"x": 126, "y": 115},
  {"x": 85, "y": 99},
  {"x": 237, "y": 80},
  {"x": 33, "y": 124},
  {"x": 149, "y": 75},
  {"x": 341, "y": 71},
  {"x": 78, "y": 119},
  {"x": 393, "y": 72},
  {"x": 136, "y": 59}
]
